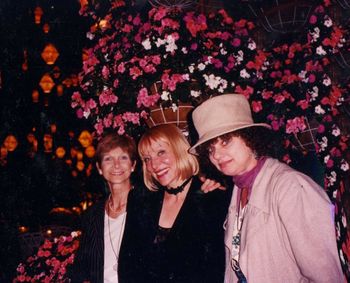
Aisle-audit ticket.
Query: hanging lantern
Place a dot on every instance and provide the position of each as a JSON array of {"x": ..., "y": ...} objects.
[
  {"x": 83, "y": 4},
  {"x": 59, "y": 89},
  {"x": 80, "y": 166},
  {"x": 38, "y": 12},
  {"x": 46, "y": 28},
  {"x": 85, "y": 138},
  {"x": 46, "y": 83},
  {"x": 10, "y": 143},
  {"x": 90, "y": 151},
  {"x": 60, "y": 152},
  {"x": 50, "y": 54},
  {"x": 25, "y": 60},
  {"x": 80, "y": 155},
  {"x": 53, "y": 128},
  {"x": 48, "y": 143},
  {"x": 35, "y": 96}
]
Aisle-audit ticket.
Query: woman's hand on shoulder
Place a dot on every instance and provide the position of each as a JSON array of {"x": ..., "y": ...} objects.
[{"x": 210, "y": 185}]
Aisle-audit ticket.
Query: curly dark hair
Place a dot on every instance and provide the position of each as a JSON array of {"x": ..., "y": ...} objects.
[{"x": 259, "y": 139}]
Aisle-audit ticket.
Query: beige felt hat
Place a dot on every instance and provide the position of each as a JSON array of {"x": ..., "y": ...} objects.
[{"x": 220, "y": 115}]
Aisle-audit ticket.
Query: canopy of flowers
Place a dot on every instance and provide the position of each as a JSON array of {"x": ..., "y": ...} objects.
[{"x": 160, "y": 59}]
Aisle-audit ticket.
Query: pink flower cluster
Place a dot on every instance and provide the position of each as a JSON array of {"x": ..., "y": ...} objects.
[
  {"x": 168, "y": 48},
  {"x": 50, "y": 262}
]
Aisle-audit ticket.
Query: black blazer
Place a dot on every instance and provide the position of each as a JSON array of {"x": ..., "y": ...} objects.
[
  {"x": 194, "y": 249},
  {"x": 89, "y": 260}
]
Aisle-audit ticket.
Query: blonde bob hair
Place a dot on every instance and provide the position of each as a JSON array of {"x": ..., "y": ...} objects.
[{"x": 186, "y": 163}]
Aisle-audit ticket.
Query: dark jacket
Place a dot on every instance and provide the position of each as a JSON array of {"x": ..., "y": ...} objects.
[
  {"x": 89, "y": 260},
  {"x": 193, "y": 250}
]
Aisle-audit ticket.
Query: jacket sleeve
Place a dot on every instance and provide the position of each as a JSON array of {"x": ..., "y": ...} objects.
[
  {"x": 79, "y": 271},
  {"x": 308, "y": 219}
]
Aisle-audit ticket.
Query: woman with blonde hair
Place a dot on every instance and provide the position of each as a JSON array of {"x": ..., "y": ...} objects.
[{"x": 185, "y": 227}]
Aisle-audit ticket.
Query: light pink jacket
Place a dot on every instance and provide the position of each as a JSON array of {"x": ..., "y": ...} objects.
[{"x": 288, "y": 232}]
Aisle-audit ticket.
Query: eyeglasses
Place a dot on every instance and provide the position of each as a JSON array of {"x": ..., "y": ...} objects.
[{"x": 237, "y": 269}]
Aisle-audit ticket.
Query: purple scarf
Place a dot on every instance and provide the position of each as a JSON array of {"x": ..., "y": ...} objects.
[{"x": 246, "y": 180}]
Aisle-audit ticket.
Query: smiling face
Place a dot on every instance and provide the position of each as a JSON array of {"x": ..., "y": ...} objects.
[
  {"x": 116, "y": 167},
  {"x": 232, "y": 156},
  {"x": 160, "y": 162}
]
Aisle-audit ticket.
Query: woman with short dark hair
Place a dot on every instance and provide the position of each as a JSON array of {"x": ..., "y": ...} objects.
[{"x": 279, "y": 226}]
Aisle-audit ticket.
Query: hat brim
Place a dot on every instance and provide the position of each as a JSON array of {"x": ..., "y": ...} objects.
[{"x": 223, "y": 130}]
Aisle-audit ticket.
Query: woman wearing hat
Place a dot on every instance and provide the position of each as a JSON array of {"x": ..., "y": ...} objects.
[{"x": 279, "y": 226}]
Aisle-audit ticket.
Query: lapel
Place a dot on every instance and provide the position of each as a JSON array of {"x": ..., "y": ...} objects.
[{"x": 259, "y": 203}]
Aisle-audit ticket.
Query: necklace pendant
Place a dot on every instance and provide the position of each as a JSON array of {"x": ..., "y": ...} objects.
[
  {"x": 115, "y": 267},
  {"x": 236, "y": 240}
]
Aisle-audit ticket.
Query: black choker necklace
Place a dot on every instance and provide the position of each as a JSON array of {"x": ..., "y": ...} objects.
[{"x": 179, "y": 189}]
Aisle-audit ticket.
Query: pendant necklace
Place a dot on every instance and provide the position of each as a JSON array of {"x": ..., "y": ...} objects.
[
  {"x": 236, "y": 240},
  {"x": 115, "y": 266}
]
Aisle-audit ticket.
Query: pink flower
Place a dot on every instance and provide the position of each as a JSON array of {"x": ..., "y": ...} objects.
[
  {"x": 236, "y": 42},
  {"x": 257, "y": 106},
  {"x": 295, "y": 125},
  {"x": 143, "y": 99},
  {"x": 312, "y": 78}
]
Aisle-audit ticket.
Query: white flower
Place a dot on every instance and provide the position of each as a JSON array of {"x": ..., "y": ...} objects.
[
  {"x": 184, "y": 50},
  {"x": 239, "y": 57},
  {"x": 332, "y": 178},
  {"x": 336, "y": 131},
  {"x": 147, "y": 44},
  {"x": 252, "y": 45},
  {"x": 201, "y": 66},
  {"x": 323, "y": 144},
  {"x": 326, "y": 158},
  {"x": 195, "y": 93},
  {"x": 171, "y": 46},
  {"x": 174, "y": 107},
  {"x": 327, "y": 81},
  {"x": 191, "y": 69},
  {"x": 223, "y": 51},
  {"x": 314, "y": 93},
  {"x": 90, "y": 35},
  {"x": 320, "y": 51},
  {"x": 165, "y": 95},
  {"x": 319, "y": 110},
  {"x": 86, "y": 114},
  {"x": 244, "y": 74},
  {"x": 344, "y": 166},
  {"x": 302, "y": 74},
  {"x": 315, "y": 35},
  {"x": 223, "y": 86},
  {"x": 212, "y": 81},
  {"x": 160, "y": 42},
  {"x": 208, "y": 61},
  {"x": 328, "y": 22},
  {"x": 233, "y": 84}
]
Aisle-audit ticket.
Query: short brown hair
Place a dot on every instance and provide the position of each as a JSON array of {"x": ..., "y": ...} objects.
[
  {"x": 113, "y": 140},
  {"x": 186, "y": 163}
]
